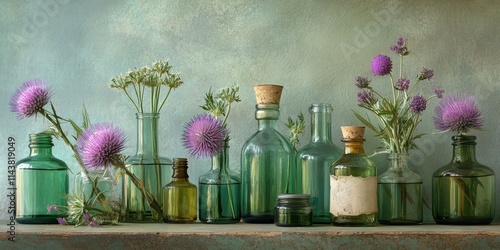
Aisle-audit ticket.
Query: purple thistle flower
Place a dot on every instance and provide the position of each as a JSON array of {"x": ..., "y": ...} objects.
[
  {"x": 439, "y": 92},
  {"x": 400, "y": 47},
  {"x": 86, "y": 217},
  {"x": 62, "y": 221},
  {"x": 418, "y": 104},
  {"x": 100, "y": 144},
  {"x": 204, "y": 136},
  {"x": 365, "y": 97},
  {"x": 381, "y": 65},
  {"x": 458, "y": 112},
  {"x": 30, "y": 98},
  {"x": 425, "y": 74},
  {"x": 51, "y": 208},
  {"x": 362, "y": 82},
  {"x": 402, "y": 84},
  {"x": 94, "y": 223}
]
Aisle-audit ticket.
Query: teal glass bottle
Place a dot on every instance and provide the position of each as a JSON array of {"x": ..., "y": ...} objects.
[
  {"x": 463, "y": 191},
  {"x": 399, "y": 193},
  {"x": 267, "y": 161},
  {"x": 41, "y": 181},
  {"x": 151, "y": 168},
  {"x": 314, "y": 161},
  {"x": 179, "y": 195},
  {"x": 219, "y": 192},
  {"x": 353, "y": 183}
]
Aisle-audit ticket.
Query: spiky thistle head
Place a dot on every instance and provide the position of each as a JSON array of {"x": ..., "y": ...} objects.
[{"x": 30, "y": 98}]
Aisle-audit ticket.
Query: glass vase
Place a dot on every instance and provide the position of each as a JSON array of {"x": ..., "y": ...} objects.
[
  {"x": 41, "y": 181},
  {"x": 399, "y": 193},
  {"x": 102, "y": 201},
  {"x": 267, "y": 161},
  {"x": 314, "y": 161},
  {"x": 179, "y": 195},
  {"x": 219, "y": 192},
  {"x": 153, "y": 170},
  {"x": 353, "y": 183},
  {"x": 463, "y": 191}
]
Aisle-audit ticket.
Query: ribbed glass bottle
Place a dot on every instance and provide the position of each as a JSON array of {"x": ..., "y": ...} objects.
[
  {"x": 41, "y": 181},
  {"x": 399, "y": 193},
  {"x": 267, "y": 163},
  {"x": 463, "y": 191},
  {"x": 353, "y": 183},
  {"x": 219, "y": 192},
  {"x": 179, "y": 195},
  {"x": 314, "y": 161}
]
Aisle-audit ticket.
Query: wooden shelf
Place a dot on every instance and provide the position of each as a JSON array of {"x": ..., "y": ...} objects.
[{"x": 252, "y": 236}]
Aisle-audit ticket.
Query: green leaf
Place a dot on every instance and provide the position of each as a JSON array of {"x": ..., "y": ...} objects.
[{"x": 366, "y": 122}]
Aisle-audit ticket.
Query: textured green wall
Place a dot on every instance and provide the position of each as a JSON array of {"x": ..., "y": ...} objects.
[{"x": 314, "y": 48}]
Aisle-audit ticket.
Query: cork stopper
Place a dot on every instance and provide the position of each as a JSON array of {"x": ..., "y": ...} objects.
[
  {"x": 353, "y": 132},
  {"x": 267, "y": 93}
]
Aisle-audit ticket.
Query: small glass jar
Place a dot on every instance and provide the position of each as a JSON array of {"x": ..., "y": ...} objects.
[{"x": 293, "y": 210}]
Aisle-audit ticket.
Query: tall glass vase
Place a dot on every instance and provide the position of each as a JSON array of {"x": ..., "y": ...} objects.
[
  {"x": 219, "y": 192},
  {"x": 399, "y": 193},
  {"x": 463, "y": 191},
  {"x": 153, "y": 170},
  {"x": 314, "y": 161}
]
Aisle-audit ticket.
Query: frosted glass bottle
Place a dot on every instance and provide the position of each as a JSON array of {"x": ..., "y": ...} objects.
[
  {"x": 179, "y": 195},
  {"x": 353, "y": 183},
  {"x": 314, "y": 161},
  {"x": 41, "y": 180},
  {"x": 267, "y": 163}
]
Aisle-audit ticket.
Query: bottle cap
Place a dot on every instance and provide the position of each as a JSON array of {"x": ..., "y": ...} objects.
[
  {"x": 267, "y": 93},
  {"x": 353, "y": 132}
]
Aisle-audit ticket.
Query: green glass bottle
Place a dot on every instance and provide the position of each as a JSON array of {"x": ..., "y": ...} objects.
[
  {"x": 353, "y": 183},
  {"x": 267, "y": 161},
  {"x": 179, "y": 195},
  {"x": 399, "y": 193},
  {"x": 219, "y": 192},
  {"x": 314, "y": 161},
  {"x": 463, "y": 191},
  {"x": 41, "y": 181},
  {"x": 147, "y": 165}
]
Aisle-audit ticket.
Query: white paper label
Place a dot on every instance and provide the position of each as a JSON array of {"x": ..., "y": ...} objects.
[{"x": 353, "y": 196}]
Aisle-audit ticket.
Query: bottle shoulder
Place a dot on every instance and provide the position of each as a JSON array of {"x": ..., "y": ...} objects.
[
  {"x": 217, "y": 177},
  {"x": 42, "y": 162},
  {"x": 321, "y": 149},
  {"x": 463, "y": 169},
  {"x": 267, "y": 138},
  {"x": 354, "y": 160}
]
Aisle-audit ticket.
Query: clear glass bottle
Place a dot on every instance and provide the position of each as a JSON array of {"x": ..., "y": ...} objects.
[
  {"x": 293, "y": 210},
  {"x": 219, "y": 192},
  {"x": 41, "y": 181},
  {"x": 267, "y": 161},
  {"x": 399, "y": 193},
  {"x": 314, "y": 161},
  {"x": 179, "y": 195},
  {"x": 153, "y": 170},
  {"x": 353, "y": 183},
  {"x": 463, "y": 191}
]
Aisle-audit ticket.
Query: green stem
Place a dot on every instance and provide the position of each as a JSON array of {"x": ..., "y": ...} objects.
[{"x": 164, "y": 99}]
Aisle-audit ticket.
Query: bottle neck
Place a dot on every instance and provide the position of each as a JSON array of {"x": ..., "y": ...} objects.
[
  {"x": 147, "y": 134},
  {"x": 40, "y": 144},
  {"x": 179, "y": 168},
  {"x": 398, "y": 161},
  {"x": 321, "y": 123},
  {"x": 220, "y": 161},
  {"x": 267, "y": 116},
  {"x": 464, "y": 149},
  {"x": 353, "y": 146}
]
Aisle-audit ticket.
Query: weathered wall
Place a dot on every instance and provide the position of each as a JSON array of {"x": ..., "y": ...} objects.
[{"x": 314, "y": 48}]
